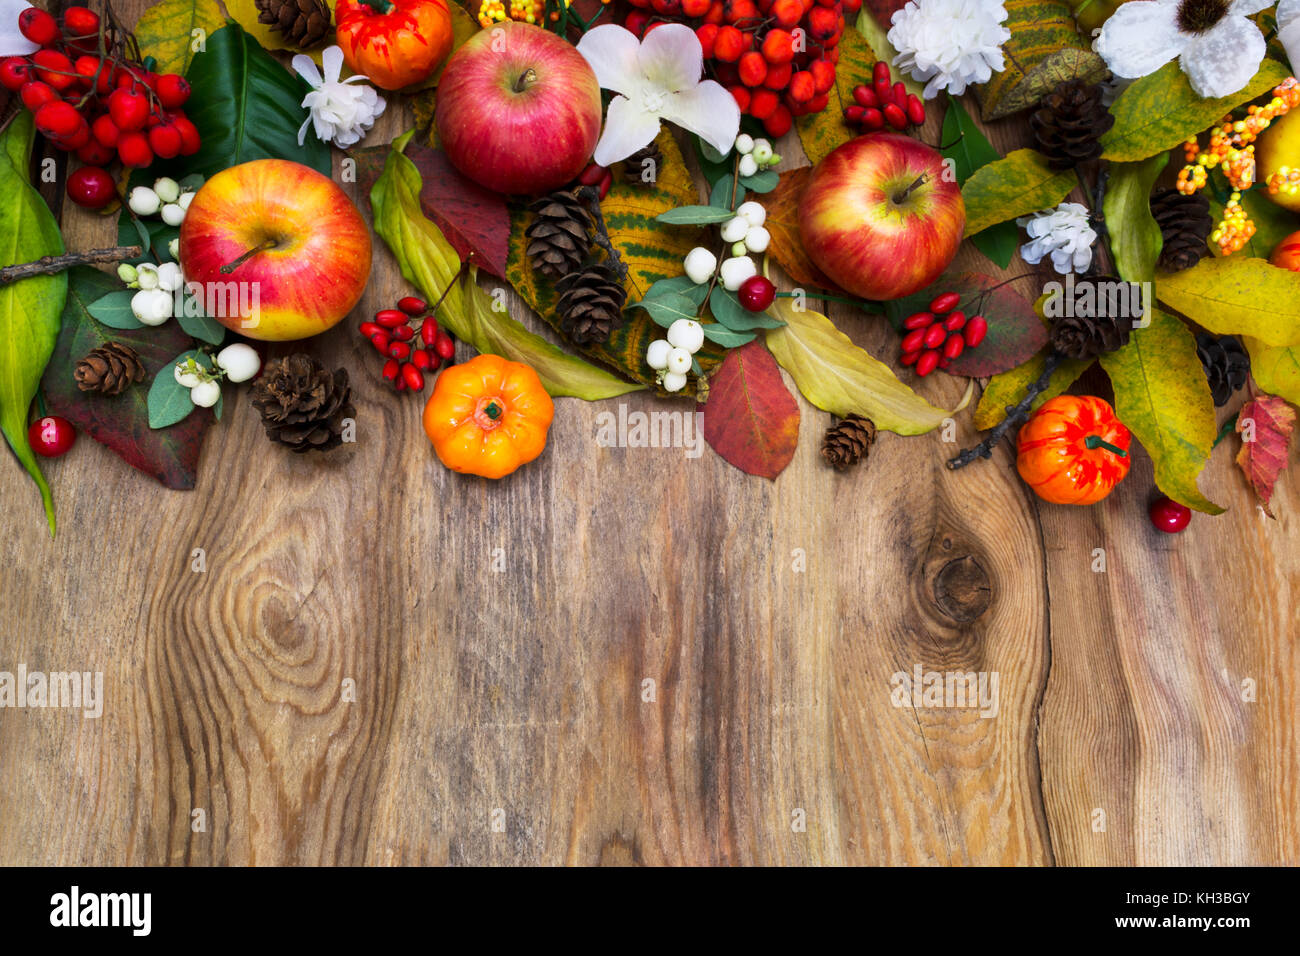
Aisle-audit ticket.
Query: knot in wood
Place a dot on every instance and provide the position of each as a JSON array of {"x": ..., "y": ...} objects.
[{"x": 962, "y": 590}]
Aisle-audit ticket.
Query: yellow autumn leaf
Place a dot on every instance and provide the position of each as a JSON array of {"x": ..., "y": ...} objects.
[
  {"x": 1010, "y": 387},
  {"x": 1276, "y": 369},
  {"x": 169, "y": 31},
  {"x": 1016, "y": 185},
  {"x": 822, "y": 132},
  {"x": 840, "y": 377},
  {"x": 1237, "y": 296},
  {"x": 244, "y": 12}
]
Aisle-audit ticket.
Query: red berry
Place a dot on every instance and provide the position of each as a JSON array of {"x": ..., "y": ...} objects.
[
  {"x": 95, "y": 153},
  {"x": 955, "y": 322},
  {"x": 853, "y": 114},
  {"x": 707, "y": 33},
  {"x": 380, "y": 341},
  {"x": 134, "y": 151},
  {"x": 129, "y": 110},
  {"x": 173, "y": 91},
  {"x": 399, "y": 384},
  {"x": 1168, "y": 515},
  {"x": 51, "y": 436},
  {"x": 36, "y": 94},
  {"x": 592, "y": 175},
  {"x": 728, "y": 45},
  {"x": 400, "y": 351},
  {"x": 975, "y": 331},
  {"x": 91, "y": 187},
  {"x": 779, "y": 122},
  {"x": 421, "y": 360},
  {"x": 429, "y": 331},
  {"x": 368, "y": 329},
  {"x": 403, "y": 333},
  {"x": 899, "y": 95},
  {"x": 934, "y": 336},
  {"x": 953, "y": 347},
  {"x": 778, "y": 46},
  {"x": 38, "y": 26},
  {"x": 880, "y": 72},
  {"x": 823, "y": 73},
  {"x": 756, "y": 293},
  {"x": 105, "y": 130},
  {"x": 753, "y": 68},
  {"x": 864, "y": 96},
  {"x": 914, "y": 341},
  {"x": 165, "y": 141},
  {"x": 927, "y": 362},
  {"x": 873, "y": 119},
  {"x": 391, "y": 318},
  {"x": 944, "y": 303},
  {"x": 391, "y": 368},
  {"x": 909, "y": 358},
  {"x": 412, "y": 305},
  {"x": 894, "y": 116},
  {"x": 763, "y": 104},
  {"x": 414, "y": 378},
  {"x": 919, "y": 320},
  {"x": 58, "y": 119},
  {"x": 54, "y": 68},
  {"x": 741, "y": 95},
  {"x": 786, "y": 13},
  {"x": 915, "y": 110},
  {"x": 189, "y": 135},
  {"x": 445, "y": 347},
  {"x": 801, "y": 87},
  {"x": 76, "y": 139},
  {"x": 82, "y": 24}
]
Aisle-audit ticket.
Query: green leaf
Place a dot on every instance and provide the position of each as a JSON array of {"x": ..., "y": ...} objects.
[
  {"x": 1276, "y": 369},
  {"x": 667, "y": 307},
  {"x": 763, "y": 181},
  {"x": 726, "y": 308},
  {"x": 720, "y": 197},
  {"x": 966, "y": 145},
  {"x": 1135, "y": 238},
  {"x": 429, "y": 262},
  {"x": 697, "y": 293},
  {"x": 998, "y": 243},
  {"x": 1236, "y": 296},
  {"x": 695, "y": 215},
  {"x": 708, "y": 152},
  {"x": 169, "y": 400},
  {"x": 1161, "y": 110},
  {"x": 200, "y": 326},
  {"x": 166, "y": 31},
  {"x": 247, "y": 106},
  {"x": 1010, "y": 387},
  {"x": 29, "y": 308},
  {"x": 1017, "y": 185},
  {"x": 721, "y": 335},
  {"x": 114, "y": 310},
  {"x": 839, "y": 377},
  {"x": 1162, "y": 396}
]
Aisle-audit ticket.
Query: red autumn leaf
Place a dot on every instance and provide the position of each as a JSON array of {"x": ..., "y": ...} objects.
[
  {"x": 751, "y": 419},
  {"x": 472, "y": 218},
  {"x": 1265, "y": 425},
  {"x": 883, "y": 10},
  {"x": 783, "y": 223},
  {"x": 1015, "y": 334},
  {"x": 121, "y": 422}
]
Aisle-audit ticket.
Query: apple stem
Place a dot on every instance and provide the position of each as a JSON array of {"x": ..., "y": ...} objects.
[
  {"x": 1015, "y": 415},
  {"x": 920, "y": 181},
  {"x": 49, "y": 265},
  {"x": 230, "y": 267},
  {"x": 526, "y": 79}
]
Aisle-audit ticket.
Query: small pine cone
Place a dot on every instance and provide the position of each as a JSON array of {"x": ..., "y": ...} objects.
[
  {"x": 591, "y": 302},
  {"x": 111, "y": 368},
  {"x": 1069, "y": 123},
  {"x": 559, "y": 238},
  {"x": 638, "y": 172},
  {"x": 303, "y": 405},
  {"x": 1185, "y": 224},
  {"x": 304, "y": 23},
  {"x": 1226, "y": 364},
  {"x": 1086, "y": 337},
  {"x": 848, "y": 442}
]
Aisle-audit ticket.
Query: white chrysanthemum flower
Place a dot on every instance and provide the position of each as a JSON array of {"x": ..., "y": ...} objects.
[
  {"x": 340, "y": 112},
  {"x": 1218, "y": 48},
  {"x": 1065, "y": 233},
  {"x": 949, "y": 44}
]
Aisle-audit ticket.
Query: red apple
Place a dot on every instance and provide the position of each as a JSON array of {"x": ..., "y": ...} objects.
[
  {"x": 518, "y": 109},
  {"x": 280, "y": 250},
  {"x": 882, "y": 216}
]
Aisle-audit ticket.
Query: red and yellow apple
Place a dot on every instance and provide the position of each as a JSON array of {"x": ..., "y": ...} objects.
[
  {"x": 882, "y": 216},
  {"x": 281, "y": 251},
  {"x": 518, "y": 109}
]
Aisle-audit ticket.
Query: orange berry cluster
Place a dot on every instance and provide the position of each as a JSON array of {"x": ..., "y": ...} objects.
[
  {"x": 776, "y": 57},
  {"x": 1231, "y": 149},
  {"x": 525, "y": 11}
]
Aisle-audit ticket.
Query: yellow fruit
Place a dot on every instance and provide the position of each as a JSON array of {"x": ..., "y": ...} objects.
[{"x": 1279, "y": 146}]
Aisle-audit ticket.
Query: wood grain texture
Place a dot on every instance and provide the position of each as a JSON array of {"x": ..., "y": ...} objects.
[{"x": 500, "y": 636}]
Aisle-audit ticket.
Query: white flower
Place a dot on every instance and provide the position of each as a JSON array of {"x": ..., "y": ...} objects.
[
  {"x": 949, "y": 43},
  {"x": 1064, "y": 233},
  {"x": 657, "y": 79},
  {"x": 1288, "y": 31},
  {"x": 12, "y": 41},
  {"x": 340, "y": 113},
  {"x": 1217, "y": 47}
]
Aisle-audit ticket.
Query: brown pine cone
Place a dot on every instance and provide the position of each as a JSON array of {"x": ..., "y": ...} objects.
[
  {"x": 1086, "y": 337},
  {"x": 559, "y": 238},
  {"x": 591, "y": 304},
  {"x": 1225, "y": 362},
  {"x": 848, "y": 442},
  {"x": 1185, "y": 225},
  {"x": 303, "y": 405},
  {"x": 304, "y": 23},
  {"x": 111, "y": 368},
  {"x": 638, "y": 172},
  {"x": 1069, "y": 124}
]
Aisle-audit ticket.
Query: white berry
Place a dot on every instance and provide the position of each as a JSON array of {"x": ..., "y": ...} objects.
[
  {"x": 757, "y": 239},
  {"x": 206, "y": 394},
  {"x": 185, "y": 199},
  {"x": 686, "y": 334},
  {"x": 168, "y": 189},
  {"x": 734, "y": 229},
  {"x": 736, "y": 270},
  {"x": 127, "y": 272},
  {"x": 146, "y": 275},
  {"x": 700, "y": 264},
  {"x": 744, "y": 143},
  {"x": 752, "y": 212},
  {"x": 674, "y": 381},
  {"x": 762, "y": 152},
  {"x": 152, "y": 306},
  {"x": 240, "y": 362},
  {"x": 143, "y": 201},
  {"x": 747, "y": 166},
  {"x": 679, "y": 361},
  {"x": 173, "y": 214},
  {"x": 656, "y": 355},
  {"x": 185, "y": 377},
  {"x": 169, "y": 277},
  {"x": 174, "y": 248}
]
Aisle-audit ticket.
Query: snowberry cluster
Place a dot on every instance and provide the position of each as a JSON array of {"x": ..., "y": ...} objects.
[
  {"x": 155, "y": 303},
  {"x": 167, "y": 200},
  {"x": 674, "y": 356},
  {"x": 746, "y": 234},
  {"x": 235, "y": 363}
]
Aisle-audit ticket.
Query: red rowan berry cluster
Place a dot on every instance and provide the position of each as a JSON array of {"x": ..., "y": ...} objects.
[
  {"x": 935, "y": 338},
  {"x": 89, "y": 93},
  {"x": 776, "y": 57},
  {"x": 883, "y": 103},
  {"x": 393, "y": 335}
]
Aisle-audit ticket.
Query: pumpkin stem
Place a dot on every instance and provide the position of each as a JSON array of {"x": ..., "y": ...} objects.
[
  {"x": 1096, "y": 441},
  {"x": 493, "y": 410},
  {"x": 379, "y": 6}
]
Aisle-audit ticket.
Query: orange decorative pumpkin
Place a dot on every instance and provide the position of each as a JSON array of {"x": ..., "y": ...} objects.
[
  {"x": 488, "y": 416},
  {"x": 1073, "y": 450},
  {"x": 395, "y": 43}
]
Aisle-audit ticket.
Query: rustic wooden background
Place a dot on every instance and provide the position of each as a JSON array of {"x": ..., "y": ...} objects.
[{"x": 500, "y": 634}]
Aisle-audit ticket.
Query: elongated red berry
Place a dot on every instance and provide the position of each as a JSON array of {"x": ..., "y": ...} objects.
[
  {"x": 944, "y": 303},
  {"x": 913, "y": 341},
  {"x": 420, "y": 359},
  {"x": 975, "y": 331},
  {"x": 880, "y": 72},
  {"x": 953, "y": 347},
  {"x": 412, "y": 305},
  {"x": 900, "y": 95},
  {"x": 955, "y": 322},
  {"x": 915, "y": 110},
  {"x": 414, "y": 377},
  {"x": 390, "y": 318},
  {"x": 909, "y": 358},
  {"x": 918, "y": 320},
  {"x": 873, "y": 119},
  {"x": 380, "y": 341},
  {"x": 934, "y": 336},
  {"x": 391, "y": 368},
  {"x": 400, "y": 351},
  {"x": 38, "y": 26},
  {"x": 429, "y": 331},
  {"x": 369, "y": 328},
  {"x": 403, "y": 333},
  {"x": 865, "y": 96},
  {"x": 884, "y": 94},
  {"x": 895, "y": 116},
  {"x": 445, "y": 347},
  {"x": 927, "y": 362},
  {"x": 854, "y": 113}
]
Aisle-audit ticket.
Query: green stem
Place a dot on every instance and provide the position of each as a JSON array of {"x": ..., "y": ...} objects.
[
  {"x": 1095, "y": 441},
  {"x": 493, "y": 410}
]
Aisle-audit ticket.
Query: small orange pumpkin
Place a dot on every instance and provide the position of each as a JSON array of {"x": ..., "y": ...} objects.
[
  {"x": 1073, "y": 450},
  {"x": 395, "y": 43},
  {"x": 488, "y": 416}
]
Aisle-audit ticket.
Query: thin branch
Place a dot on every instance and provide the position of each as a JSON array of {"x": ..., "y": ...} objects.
[
  {"x": 1015, "y": 415},
  {"x": 48, "y": 265},
  {"x": 592, "y": 196}
]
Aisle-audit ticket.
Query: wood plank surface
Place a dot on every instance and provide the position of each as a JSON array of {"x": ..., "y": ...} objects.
[{"x": 630, "y": 656}]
